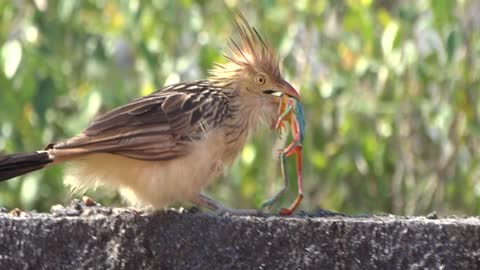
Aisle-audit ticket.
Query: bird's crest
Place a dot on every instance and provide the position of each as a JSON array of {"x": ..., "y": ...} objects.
[{"x": 252, "y": 53}]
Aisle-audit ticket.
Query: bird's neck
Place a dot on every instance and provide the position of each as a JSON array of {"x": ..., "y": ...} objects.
[
  {"x": 245, "y": 115},
  {"x": 244, "y": 119}
]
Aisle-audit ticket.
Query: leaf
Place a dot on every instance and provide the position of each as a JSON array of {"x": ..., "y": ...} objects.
[
  {"x": 11, "y": 57},
  {"x": 388, "y": 38},
  {"x": 453, "y": 41}
]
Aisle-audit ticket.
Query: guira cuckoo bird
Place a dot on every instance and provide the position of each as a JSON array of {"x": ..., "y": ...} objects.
[{"x": 168, "y": 146}]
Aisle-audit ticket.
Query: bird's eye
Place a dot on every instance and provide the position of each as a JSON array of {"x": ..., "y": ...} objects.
[{"x": 260, "y": 79}]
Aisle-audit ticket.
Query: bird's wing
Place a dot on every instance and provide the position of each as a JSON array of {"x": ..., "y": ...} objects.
[{"x": 156, "y": 127}]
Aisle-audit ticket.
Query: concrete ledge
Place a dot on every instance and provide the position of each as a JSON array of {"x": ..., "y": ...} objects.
[{"x": 80, "y": 237}]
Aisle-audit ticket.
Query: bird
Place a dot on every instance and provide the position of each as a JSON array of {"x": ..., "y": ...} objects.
[{"x": 167, "y": 147}]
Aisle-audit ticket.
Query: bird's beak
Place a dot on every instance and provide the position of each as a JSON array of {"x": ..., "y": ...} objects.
[{"x": 289, "y": 90}]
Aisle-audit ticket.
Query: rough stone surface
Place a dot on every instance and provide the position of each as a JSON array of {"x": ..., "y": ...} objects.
[{"x": 80, "y": 237}]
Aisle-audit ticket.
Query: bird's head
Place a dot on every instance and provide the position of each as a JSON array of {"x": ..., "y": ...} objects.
[{"x": 253, "y": 70}]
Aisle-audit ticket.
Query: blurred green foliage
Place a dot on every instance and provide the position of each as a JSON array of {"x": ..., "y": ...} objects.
[{"x": 391, "y": 91}]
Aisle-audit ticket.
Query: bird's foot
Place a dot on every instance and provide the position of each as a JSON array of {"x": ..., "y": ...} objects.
[{"x": 207, "y": 202}]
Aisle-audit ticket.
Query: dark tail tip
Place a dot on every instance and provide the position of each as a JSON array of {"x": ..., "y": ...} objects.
[{"x": 19, "y": 164}]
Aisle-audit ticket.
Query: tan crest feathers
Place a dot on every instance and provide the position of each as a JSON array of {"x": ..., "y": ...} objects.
[{"x": 251, "y": 53}]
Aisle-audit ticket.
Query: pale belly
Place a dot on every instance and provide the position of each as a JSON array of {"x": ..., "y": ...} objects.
[{"x": 155, "y": 183}]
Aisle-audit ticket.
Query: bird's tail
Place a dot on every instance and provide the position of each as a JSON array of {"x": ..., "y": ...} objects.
[{"x": 19, "y": 164}]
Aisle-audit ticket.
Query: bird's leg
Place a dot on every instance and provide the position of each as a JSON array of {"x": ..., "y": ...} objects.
[{"x": 217, "y": 207}]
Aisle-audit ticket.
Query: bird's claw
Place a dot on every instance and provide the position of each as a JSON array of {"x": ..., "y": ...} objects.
[
  {"x": 219, "y": 209},
  {"x": 238, "y": 212}
]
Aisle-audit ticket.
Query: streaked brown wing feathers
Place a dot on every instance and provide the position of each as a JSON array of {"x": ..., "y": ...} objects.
[{"x": 155, "y": 127}]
